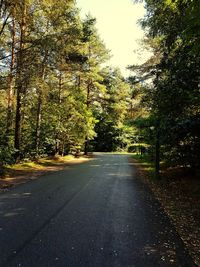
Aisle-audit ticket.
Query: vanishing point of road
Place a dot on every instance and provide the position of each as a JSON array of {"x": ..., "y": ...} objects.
[{"x": 95, "y": 214}]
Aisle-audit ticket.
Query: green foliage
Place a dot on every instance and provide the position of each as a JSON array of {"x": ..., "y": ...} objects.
[
  {"x": 53, "y": 60},
  {"x": 173, "y": 99},
  {"x": 112, "y": 132}
]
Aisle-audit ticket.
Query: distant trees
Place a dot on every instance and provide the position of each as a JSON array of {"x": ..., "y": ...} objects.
[
  {"x": 173, "y": 100},
  {"x": 112, "y": 113}
]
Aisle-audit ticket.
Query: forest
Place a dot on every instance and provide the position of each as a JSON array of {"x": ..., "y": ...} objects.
[
  {"x": 171, "y": 100},
  {"x": 58, "y": 94}
]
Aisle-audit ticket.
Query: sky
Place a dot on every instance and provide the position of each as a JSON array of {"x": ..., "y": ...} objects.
[{"x": 117, "y": 24}]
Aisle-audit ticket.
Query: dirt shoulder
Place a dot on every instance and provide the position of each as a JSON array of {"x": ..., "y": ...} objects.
[
  {"x": 26, "y": 171},
  {"x": 180, "y": 198}
]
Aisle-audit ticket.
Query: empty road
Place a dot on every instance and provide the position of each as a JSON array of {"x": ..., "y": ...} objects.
[{"x": 95, "y": 214}]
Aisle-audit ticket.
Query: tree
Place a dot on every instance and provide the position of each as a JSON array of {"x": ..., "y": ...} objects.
[
  {"x": 174, "y": 97},
  {"x": 96, "y": 53},
  {"x": 112, "y": 113}
]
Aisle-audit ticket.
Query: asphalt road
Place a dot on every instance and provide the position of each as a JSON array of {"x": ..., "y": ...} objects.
[{"x": 96, "y": 214}]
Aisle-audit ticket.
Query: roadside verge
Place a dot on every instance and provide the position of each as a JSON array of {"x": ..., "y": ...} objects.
[
  {"x": 26, "y": 171},
  {"x": 180, "y": 198}
]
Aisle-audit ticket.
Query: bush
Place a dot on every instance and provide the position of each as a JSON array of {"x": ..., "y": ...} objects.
[
  {"x": 138, "y": 148},
  {"x": 7, "y": 155}
]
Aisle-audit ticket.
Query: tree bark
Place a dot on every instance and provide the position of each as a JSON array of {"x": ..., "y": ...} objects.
[
  {"x": 39, "y": 107},
  {"x": 38, "y": 123},
  {"x": 60, "y": 88},
  {"x": 20, "y": 85},
  {"x": 88, "y": 104},
  {"x": 10, "y": 84},
  {"x": 157, "y": 152},
  {"x": 86, "y": 146},
  {"x": 57, "y": 141}
]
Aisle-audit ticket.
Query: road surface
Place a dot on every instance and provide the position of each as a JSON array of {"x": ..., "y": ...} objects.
[{"x": 96, "y": 214}]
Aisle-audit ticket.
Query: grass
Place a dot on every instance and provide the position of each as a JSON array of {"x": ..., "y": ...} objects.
[
  {"x": 25, "y": 171},
  {"x": 39, "y": 165},
  {"x": 116, "y": 152},
  {"x": 146, "y": 164}
]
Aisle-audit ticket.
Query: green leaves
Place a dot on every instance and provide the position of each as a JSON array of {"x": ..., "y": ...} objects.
[
  {"x": 53, "y": 66},
  {"x": 173, "y": 98},
  {"x": 112, "y": 134}
]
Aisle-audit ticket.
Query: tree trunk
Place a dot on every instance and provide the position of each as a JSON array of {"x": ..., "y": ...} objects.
[
  {"x": 39, "y": 107},
  {"x": 79, "y": 82},
  {"x": 63, "y": 149},
  {"x": 20, "y": 85},
  {"x": 88, "y": 104},
  {"x": 10, "y": 84},
  {"x": 57, "y": 141},
  {"x": 38, "y": 123},
  {"x": 157, "y": 152},
  {"x": 86, "y": 146},
  {"x": 60, "y": 88}
]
